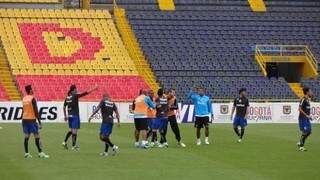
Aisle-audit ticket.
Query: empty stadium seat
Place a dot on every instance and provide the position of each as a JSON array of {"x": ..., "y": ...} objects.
[
  {"x": 55, "y": 87},
  {"x": 211, "y": 43}
]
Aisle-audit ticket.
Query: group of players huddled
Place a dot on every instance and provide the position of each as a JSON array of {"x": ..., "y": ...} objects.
[{"x": 152, "y": 114}]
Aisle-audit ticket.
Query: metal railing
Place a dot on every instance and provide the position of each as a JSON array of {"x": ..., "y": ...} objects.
[
  {"x": 311, "y": 58},
  {"x": 261, "y": 61},
  {"x": 284, "y": 50}
]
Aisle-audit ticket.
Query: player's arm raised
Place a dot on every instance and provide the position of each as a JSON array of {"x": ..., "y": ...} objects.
[
  {"x": 149, "y": 102},
  {"x": 191, "y": 95},
  {"x": 88, "y": 91}
]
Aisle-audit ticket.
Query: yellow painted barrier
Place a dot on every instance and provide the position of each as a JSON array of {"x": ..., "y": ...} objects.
[
  {"x": 257, "y": 5},
  {"x": 133, "y": 47},
  {"x": 166, "y": 5}
]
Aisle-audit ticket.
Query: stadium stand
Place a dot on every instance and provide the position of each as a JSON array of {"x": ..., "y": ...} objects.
[
  {"x": 52, "y": 49},
  {"x": 3, "y": 95},
  {"x": 7, "y": 81},
  {"x": 212, "y": 43},
  {"x": 134, "y": 49}
]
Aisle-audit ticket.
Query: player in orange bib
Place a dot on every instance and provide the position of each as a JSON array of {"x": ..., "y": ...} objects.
[
  {"x": 172, "y": 116},
  {"x": 140, "y": 108},
  {"x": 29, "y": 122}
]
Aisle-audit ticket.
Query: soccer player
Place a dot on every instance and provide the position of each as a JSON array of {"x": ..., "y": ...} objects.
[
  {"x": 152, "y": 117},
  {"x": 161, "y": 121},
  {"x": 304, "y": 118},
  {"x": 72, "y": 103},
  {"x": 172, "y": 116},
  {"x": 29, "y": 122},
  {"x": 141, "y": 105},
  {"x": 107, "y": 108},
  {"x": 203, "y": 111},
  {"x": 136, "y": 132},
  {"x": 241, "y": 105}
]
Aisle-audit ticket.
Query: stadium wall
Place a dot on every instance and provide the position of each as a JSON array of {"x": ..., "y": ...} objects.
[{"x": 11, "y": 112}]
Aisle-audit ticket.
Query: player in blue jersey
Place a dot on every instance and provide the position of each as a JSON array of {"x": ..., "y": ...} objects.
[
  {"x": 305, "y": 118},
  {"x": 107, "y": 108},
  {"x": 203, "y": 111},
  {"x": 241, "y": 105}
]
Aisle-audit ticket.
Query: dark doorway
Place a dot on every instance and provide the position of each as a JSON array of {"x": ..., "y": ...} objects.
[
  {"x": 291, "y": 72},
  {"x": 272, "y": 70}
]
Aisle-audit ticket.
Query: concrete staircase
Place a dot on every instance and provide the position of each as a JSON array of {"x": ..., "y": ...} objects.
[
  {"x": 7, "y": 78},
  {"x": 134, "y": 49},
  {"x": 297, "y": 89}
]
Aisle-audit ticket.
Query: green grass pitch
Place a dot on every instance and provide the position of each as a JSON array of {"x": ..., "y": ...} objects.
[{"x": 268, "y": 152}]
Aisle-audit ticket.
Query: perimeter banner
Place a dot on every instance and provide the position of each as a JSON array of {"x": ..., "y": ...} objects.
[{"x": 258, "y": 112}]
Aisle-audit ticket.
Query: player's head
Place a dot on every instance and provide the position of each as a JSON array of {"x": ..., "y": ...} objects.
[
  {"x": 72, "y": 89},
  {"x": 200, "y": 91},
  {"x": 160, "y": 92},
  {"x": 28, "y": 89},
  {"x": 150, "y": 93},
  {"x": 143, "y": 92},
  {"x": 140, "y": 91},
  {"x": 172, "y": 92},
  {"x": 242, "y": 92},
  {"x": 106, "y": 96},
  {"x": 307, "y": 91}
]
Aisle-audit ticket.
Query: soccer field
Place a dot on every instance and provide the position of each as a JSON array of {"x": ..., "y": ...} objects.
[{"x": 268, "y": 152}]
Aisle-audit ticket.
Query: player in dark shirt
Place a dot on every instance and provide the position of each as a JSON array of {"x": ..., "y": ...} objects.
[
  {"x": 304, "y": 118},
  {"x": 107, "y": 108},
  {"x": 241, "y": 105},
  {"x": 173, "y": 113},
  {"x": 72, "y": 104},
  {"x": 161, "y": 121}
]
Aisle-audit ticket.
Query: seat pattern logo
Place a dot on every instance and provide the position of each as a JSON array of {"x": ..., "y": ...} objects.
[{"x": 33, "y": 36}]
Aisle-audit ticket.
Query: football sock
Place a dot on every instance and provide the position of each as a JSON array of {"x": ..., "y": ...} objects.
[
  {"x": 106, "y": 147},
  {"x": 69, "y": 133},
  {"x": 242, "y": 133},
  {"x": 236, "y": 130},
  {"x": 149, "y": 133},
  {"x": 154, "y": 136},
  {"x": 74, "y": 139},
  {"x": 26, "y": 142},
  {"x": 163, "y": 137},
  {"x": 37, "y": 141},
  {"x": 303, "y": 139},
  {"x": 109, "y": 142}
]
